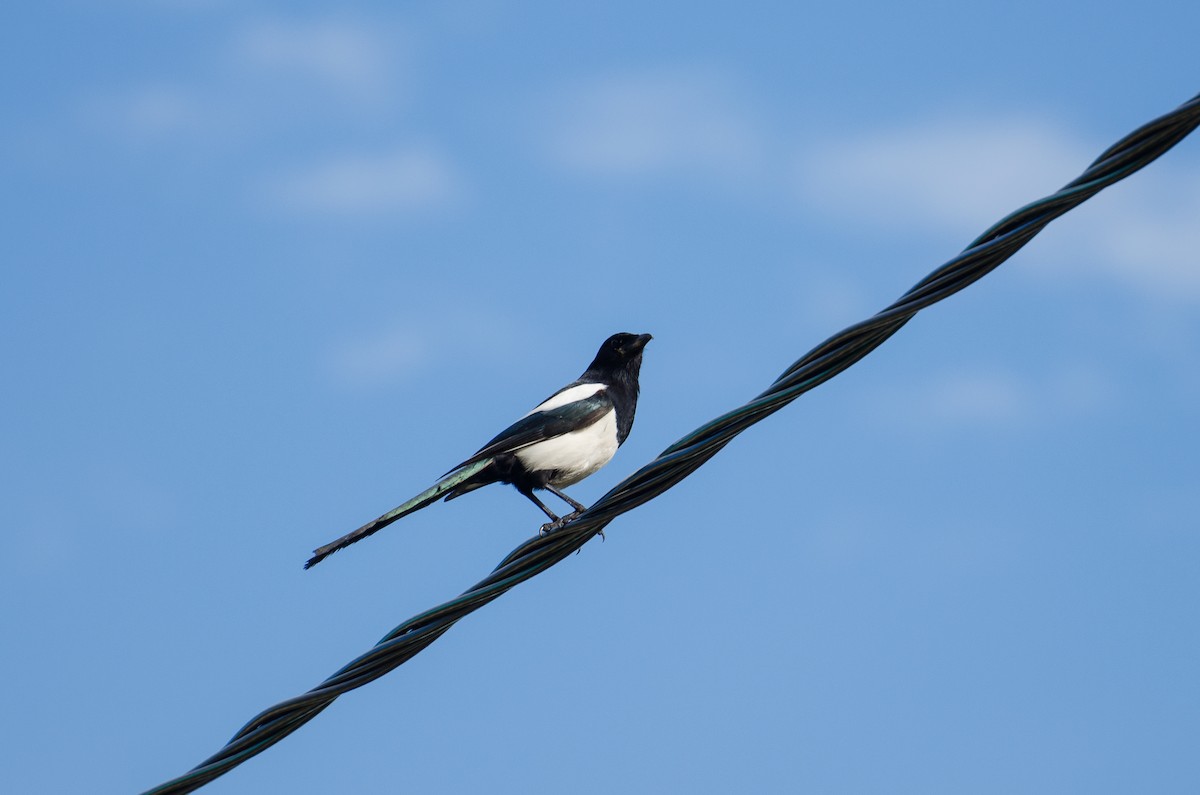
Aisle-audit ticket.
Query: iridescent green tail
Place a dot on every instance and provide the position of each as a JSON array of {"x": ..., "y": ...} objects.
[{"x": 430, "y": 495}]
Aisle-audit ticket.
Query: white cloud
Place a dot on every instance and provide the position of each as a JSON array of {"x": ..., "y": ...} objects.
[
  {"x": 960, "y": 176},
  {"x": 182, "y": 5},
  {"x": 348, "y": 56},
  {"x": 1081, "y": 390},
  {"x": 648, "y": 124},
  {"x": 162, "y": 109},
  {"x": 403, "y": 180},
  {"x": 157, "y": 112},
  {"x": 999, "y": 398},
  {"x": 267, "y": 75},
  {"x": 977, "y": 397},
  {"x": 1144, "y": 233},
  {"x": 377, "y": 358},
  {"x": 830, "y": 299},
  {"x": 433, "y": 332}
]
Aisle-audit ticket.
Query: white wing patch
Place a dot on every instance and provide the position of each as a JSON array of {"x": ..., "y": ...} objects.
[
  {"x": 575, "y": 455},
  {"x": 569, "y": 396}
]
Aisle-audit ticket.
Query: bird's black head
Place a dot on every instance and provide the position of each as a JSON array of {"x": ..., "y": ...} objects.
[
  {"x": 617, "y": 365},
  {"x": 620, "y": 353}
]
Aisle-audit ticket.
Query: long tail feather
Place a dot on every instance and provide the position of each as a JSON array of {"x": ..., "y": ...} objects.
[{"x": 430, "y": 495}]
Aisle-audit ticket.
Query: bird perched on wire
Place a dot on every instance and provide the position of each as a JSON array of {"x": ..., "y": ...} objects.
[{"x": 567, "y": 437}]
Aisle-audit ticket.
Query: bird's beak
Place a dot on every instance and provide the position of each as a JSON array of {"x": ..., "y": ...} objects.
[{"x": 641, "y": 341}]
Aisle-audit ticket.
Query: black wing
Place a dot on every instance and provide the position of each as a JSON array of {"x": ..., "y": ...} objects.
[{"x": 543, "y": 425}]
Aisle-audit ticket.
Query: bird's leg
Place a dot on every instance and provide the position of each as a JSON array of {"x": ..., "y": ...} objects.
[
  {"x": 555, "y": 521},
  {"x": 579, "y": 508},
  {"x": 529, "y": 493}
]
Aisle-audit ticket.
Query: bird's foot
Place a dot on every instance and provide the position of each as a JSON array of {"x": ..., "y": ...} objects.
[{"x": 559, "y": 523}]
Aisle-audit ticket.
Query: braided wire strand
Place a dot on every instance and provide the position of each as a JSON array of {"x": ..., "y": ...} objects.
[{"x": 822, "y": 363}]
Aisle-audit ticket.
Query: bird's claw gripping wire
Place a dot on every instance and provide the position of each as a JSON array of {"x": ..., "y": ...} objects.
[{"x": 561, "y": 522}]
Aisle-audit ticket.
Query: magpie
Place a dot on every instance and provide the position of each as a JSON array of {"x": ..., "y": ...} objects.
[{"x": 565, "y": 438}]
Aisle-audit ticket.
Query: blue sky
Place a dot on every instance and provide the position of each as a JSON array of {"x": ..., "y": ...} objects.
[{"x": 271, "y": 268}]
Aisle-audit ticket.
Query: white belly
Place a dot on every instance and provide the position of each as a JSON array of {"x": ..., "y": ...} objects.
[{"x": 574, "y": 455}]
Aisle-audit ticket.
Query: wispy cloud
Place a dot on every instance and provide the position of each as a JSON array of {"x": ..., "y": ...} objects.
[
  {"x": 265, "y": 74},
  {"x": 978, "y": 397},
  {"x": 958, "y": 176},
  {"x": 346, "y": 56},
  {"x": 151, "y": 112},
  {"x": 183, "y": 5},
  {"x": 1143, "y": 234},
  {"x": 999, "y": 398},
  {"x": 958, "y": 173},
  {"x": 434, "y": 331},
  {"x": 397, "y": 181},
  {"x": 830, "y": 299},
  {"x": 377, "y": 358},
  {"x": 668, "y": 122}
]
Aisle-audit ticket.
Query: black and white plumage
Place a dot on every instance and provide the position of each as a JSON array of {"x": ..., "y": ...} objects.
[{"x": 567, "y": 437}]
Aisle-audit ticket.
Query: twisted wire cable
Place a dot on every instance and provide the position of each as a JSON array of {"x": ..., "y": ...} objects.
[{"x": 822, "y": 363}]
